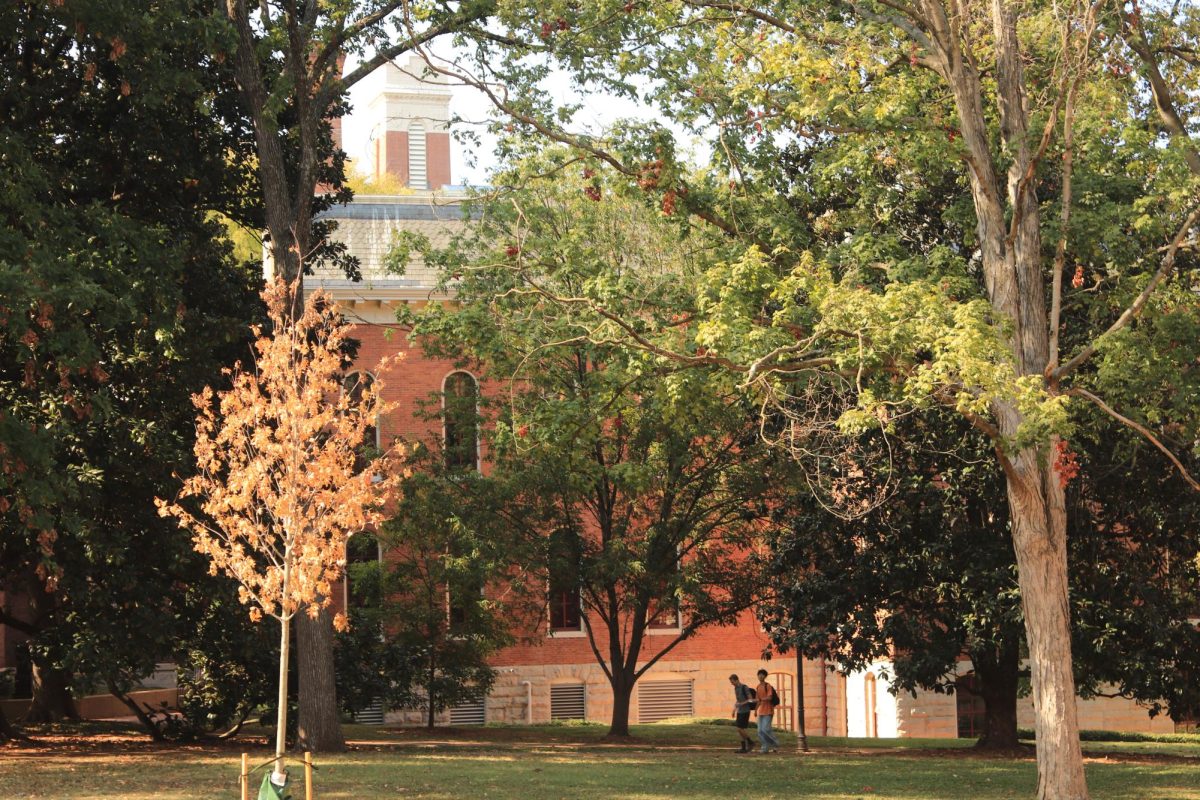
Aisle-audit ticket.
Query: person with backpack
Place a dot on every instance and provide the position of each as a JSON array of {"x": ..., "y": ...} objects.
[
  {"x": 768, "y": 698},
  {"x": 743, "y": 702}
]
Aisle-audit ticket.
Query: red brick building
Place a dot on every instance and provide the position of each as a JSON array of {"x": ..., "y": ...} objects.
[{"x": 558, "y": 677}]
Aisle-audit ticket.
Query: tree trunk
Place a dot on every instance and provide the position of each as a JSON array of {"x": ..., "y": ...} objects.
[
  {"x": 52, "y": 699},
  {"x": 320, "y": 719},
  {"x": 142, "y": 714},
  {"x": 1035, "y": 498},
  {"x": 998, "y": 677},
  {"x": 622, "y": 689},
  {"x": 1010, "y": 247},
  {"x": 285, "y": 626}
]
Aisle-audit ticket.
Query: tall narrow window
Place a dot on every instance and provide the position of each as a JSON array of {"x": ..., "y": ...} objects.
[
  {"x": 564, "y": 608},
  {"x": 566, "y": 613},
  {"x": 663, "y": 613},
  {"x": 462, "y": 599},
  {"x": 970, "y": 707},
  {"x": 417, "y": 172},
  {"x": 355, "y": 385},
  {"x": 460, "y": 405}
]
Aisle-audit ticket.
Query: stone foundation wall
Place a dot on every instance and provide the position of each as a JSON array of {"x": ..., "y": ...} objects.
[
  {"x": 934, "y": 715},
  {"x": 1106, "y": 714},
  {"x": 508, "y": 701},
  {"x": 929, "y": 715}
]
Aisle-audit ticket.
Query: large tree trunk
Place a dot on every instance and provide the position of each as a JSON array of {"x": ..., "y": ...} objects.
[
  {"x": 52, "y": 699},
  {"x": 320, "y": 720},
  {"x": 999, "y": 675},
  {"x": 622, "y": 690},
  {"x": 1035, "y": 498},
  {"x": 1009, "y": 230}
]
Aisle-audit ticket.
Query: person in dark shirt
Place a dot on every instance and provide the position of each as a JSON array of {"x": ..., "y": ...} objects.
[{"x": 743, "y": 702}]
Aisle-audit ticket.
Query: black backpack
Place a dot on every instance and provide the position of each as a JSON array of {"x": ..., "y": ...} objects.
[{"x": 774, "y": 697}]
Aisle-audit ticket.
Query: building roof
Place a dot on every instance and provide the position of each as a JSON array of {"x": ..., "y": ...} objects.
[{"x": 368, "y": 226}]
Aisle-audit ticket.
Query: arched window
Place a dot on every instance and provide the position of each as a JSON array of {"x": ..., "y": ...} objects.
[
  {"x": 417, "y": 172},
  {"x": 460, "y": 401},
  {"x": 355, "y": 385}
]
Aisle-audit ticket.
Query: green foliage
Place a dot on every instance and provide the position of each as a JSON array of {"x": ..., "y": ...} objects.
[
  {"x": 1135, "y": 557},
  {"x": 637, "y": 482},
  {"x": 924, "y": 575},
  {"x": 225, "y": 668},
  {"x": 930, "y": 573},
  {"x": 422, "y": 627},
  {"x": 119, "y": 298},
  {"x": 839, "y": 180}
]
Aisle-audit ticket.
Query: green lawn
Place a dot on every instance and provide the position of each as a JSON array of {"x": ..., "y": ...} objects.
[{"x": 665, "y": 761}]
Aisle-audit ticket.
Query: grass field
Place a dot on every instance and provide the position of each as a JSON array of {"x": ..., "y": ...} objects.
[{"x": 574, "y": 761}]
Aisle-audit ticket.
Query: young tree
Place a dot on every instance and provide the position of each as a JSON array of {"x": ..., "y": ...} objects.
[
  {"x": 280, "y": 484},
  {"x": 642, "y": 487},
  {"x": 1026, "y": 116},
  {"x": 287, "y": 58}
]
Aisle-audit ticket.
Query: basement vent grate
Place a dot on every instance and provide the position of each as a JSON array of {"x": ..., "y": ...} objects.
[{"x": 659, "y": 700}]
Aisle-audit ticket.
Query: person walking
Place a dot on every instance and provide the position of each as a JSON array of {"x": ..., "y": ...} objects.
[
  {"x": 767, "y": 699},
  {"x": 743, "y": 702}
]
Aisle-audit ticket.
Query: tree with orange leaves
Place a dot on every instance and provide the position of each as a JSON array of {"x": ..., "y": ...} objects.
[{"x": 281, "y": 483}]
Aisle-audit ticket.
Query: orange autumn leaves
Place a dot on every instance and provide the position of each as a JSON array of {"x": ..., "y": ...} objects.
[{"x": 280, "y": 481}]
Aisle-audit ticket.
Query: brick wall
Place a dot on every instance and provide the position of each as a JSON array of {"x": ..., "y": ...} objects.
[
  {"x": 437, "y": 159},
  {"x": 393, "y": 160}
]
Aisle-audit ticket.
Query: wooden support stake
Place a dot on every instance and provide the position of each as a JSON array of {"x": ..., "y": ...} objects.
[
  {"x": 308, "y": 767},
  {"x": 244, "y": 780}
]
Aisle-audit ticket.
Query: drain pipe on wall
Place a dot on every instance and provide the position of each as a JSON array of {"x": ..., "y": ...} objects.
[{"x": 528, "y": 701}]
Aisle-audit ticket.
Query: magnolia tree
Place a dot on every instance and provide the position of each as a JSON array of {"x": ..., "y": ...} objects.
[{"x": 281, "y": 481}]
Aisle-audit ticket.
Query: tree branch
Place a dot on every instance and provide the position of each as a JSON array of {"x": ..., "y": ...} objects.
[
  {"x": 385, "y": 54},
  {"x": 1140, "y": 428},
  {"x": 1068, "y": 156},
  {"x": 1135, "y": 309},
  {"x": 1135, "y": 36}
]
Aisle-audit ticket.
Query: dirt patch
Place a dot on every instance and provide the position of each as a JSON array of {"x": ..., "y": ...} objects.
[{"x": 60, "y": 742}]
